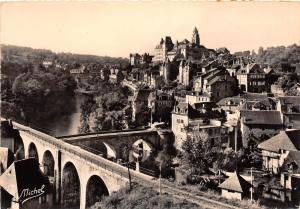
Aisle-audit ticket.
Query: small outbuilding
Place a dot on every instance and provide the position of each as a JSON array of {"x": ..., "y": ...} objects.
[{"x": 235, "y": 187}]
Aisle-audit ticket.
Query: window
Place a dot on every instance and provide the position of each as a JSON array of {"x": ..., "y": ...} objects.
[
  {"x": 286, "y": 177},
  {"x": 212, "y": 142}
]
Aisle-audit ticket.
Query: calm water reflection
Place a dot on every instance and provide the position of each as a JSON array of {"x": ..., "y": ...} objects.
[{"x": 67, "y": 125}]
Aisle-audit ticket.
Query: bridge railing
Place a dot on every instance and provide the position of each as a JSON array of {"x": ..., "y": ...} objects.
[
  {"x": 81, "y": 153},
  {"x": 75, "y": 150},
  {"x": 102, "y": 132},
  {"x": 35, "y": 126}
]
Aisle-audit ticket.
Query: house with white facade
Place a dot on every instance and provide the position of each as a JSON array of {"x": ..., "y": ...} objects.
[{"x": 276, "y": 149}]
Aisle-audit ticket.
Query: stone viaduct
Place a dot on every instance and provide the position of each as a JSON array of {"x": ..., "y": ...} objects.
[
  {"x": 79, "y": 176},
  {"x": 114, "y": 144}
]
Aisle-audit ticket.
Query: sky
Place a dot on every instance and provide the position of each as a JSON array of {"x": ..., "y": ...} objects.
[{"x": 117, "y": 28}]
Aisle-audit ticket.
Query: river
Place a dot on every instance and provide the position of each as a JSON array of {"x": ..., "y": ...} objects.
[{"x": 67, "y": 124}]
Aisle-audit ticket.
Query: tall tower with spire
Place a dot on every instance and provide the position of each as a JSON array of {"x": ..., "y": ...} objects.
[{"x": 196, "y": 37}]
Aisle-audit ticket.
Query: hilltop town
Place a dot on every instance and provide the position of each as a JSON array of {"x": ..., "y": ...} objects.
[{"x": 233, "y": 119}]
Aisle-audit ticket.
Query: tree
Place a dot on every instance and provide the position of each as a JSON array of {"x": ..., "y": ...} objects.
[
  {"x": 10, "y": 110},
  {"x": 197, "y": 153},
  {"x": 228, "y": 160},
  {"x": 84, "y": 126},
  {"x": 48, "y": 93},
  {"x": 6, "y": 91}
]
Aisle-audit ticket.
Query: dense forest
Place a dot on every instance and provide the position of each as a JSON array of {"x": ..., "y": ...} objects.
[
  {"x": 26, "y": 54},
  {"x": 277, "y": 57},
  {"x": 107, "y": 109},
  {"x": 30, "y": 89}
]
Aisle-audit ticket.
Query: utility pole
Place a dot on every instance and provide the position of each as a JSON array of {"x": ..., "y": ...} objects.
[
  {"x": 252, "y": 185},
  {"x": 151, "y": 120},
  {"x": 128, "y": 169},
  {"x": 129, "y": 176},
  {"x": 159, "y": 182},
  {"x": 235, "y": 147},
  {"x": 235, "y": 138}
]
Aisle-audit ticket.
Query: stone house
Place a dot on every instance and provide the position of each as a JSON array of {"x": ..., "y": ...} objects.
[
  {"x": 169, "y": 70},
  {"x": 185, "y": 74},
  {"x": 180, "y": 96},
  {"x": 188, "y": 122},
  {"x": 235, "y": 187},
  {"x": 137, "y": 74},
  {"x": 231, "y": 104},
  {"x": 217, "y": 132},
  {"x": 182, "y": 113},
  {"x": 276, "y": 149},
  {"x": 153, "y": 79},
  {"x": 259, "y": 124},
  {"x": 135, "y": 59},
  {"x": 216, "y": 82},
  {"x": 197, "y": 97},
  {"x": 160, "y": 51},
  {"x": 290, "y": 171},
  {"x": 116, "y": 75},
  {"x": 47, "y": 63},
  {"x": 139, "y": 101},
  {"x": 220, "y": 87},
  {"x": 161, "y": 105},
  {"x": 290, "y": 108},
  {"x": 252, "y": 78},
  {"x": 262, "y": 104}
]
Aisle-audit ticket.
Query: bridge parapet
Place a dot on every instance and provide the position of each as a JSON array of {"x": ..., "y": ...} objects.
[
  {"x": 86, "y": 164},
  {"x": 75, "y": 150},
  {"x": 103, "y": 142}
]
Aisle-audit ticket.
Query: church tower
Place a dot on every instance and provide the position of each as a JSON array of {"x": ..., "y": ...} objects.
[{"x": 196, "y": 37}]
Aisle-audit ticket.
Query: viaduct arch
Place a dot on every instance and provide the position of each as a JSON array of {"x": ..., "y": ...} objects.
[
  {"x": 95, "y": 189},
  {"x": 114, "y": 145},
  {"x": 48, "y": 164},
  {"x": 73, "y": 171},
  {"x": 70, "y": 186},
  {"x": 32, "y": 151}
]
